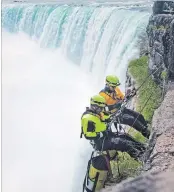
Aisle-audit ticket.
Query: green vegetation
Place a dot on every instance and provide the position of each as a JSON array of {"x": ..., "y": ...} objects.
[
  {"x": 138, "y": 68},
  {"x": 160, "y": 28},
  {"x": 163, "y": 75},
  {"x": 128, "y": 167}
]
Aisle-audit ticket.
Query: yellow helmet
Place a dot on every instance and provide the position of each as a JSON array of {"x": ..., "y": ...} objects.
[
  {"x": 98, "y": 100},
  {"x": 112, "y": 80}
]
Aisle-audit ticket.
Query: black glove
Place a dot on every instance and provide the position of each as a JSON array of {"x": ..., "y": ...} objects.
[
  {"x": 109, "y": 119},
  {"x": 132, "y": 94},
  {"x": 118, "y": 105}
]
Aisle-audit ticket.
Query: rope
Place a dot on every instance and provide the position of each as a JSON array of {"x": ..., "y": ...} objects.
[
  {"x": 143, "y": 83},
  {"x": 163, "y": 89},
  {"x": 108, "y": 165}
]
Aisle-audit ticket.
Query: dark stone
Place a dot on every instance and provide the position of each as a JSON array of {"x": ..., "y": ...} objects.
[
  {"x": 160, "y": 32},
  {"x": 163, "y": 7}
]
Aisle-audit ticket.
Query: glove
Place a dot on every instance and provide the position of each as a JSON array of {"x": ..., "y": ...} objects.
[
  {"x": 108, "y": 120},
  {"x": 106, "y": 117},
  {"x": 132, "y": 94}
]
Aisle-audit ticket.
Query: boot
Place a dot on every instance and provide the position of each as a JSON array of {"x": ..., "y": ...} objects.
[
  {"x": 140, "y": 157},
  {"x": 146, "y": 132}
]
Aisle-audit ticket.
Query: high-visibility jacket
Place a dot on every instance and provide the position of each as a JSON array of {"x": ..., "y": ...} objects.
[
  {"x": 112, "y": 98},
  {"x": 92, "y": 124}
]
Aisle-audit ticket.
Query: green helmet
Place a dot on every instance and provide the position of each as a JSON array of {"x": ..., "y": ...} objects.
[
  {"x": 98, "y": 101},
  {"x": 112, "y": 80}
]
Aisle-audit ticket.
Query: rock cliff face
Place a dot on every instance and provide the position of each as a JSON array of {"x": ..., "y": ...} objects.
[{"x": 160, "y": 32}]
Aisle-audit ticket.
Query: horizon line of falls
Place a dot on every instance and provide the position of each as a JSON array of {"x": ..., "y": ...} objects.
[{"x": 99, "y": 40}]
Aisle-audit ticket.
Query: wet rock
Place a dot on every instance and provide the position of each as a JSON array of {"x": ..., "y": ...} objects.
[{"x": 160, "y": 32}]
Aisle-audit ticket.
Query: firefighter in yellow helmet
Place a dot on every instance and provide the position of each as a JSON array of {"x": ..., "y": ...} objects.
[
  {"x": 94, "y": 123},
  {"x": 114, "y": 98}
]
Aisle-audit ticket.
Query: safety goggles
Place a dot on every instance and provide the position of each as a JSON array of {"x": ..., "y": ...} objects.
[
  {"x": 98, "y": 109},
  {"x": 97, "y": 103},
  {"x": 114, "y": 85}
]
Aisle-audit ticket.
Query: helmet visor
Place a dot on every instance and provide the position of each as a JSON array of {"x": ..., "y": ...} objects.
[
  {"x": 111, "y": 84},
  {"x": 98, "y": 103},
  {"x": 114, "y": 84}
]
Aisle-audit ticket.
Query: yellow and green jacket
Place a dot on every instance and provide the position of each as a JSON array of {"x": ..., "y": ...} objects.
[
  {"x": 112, "y": 98},
  {"x": 92, "y": 124}
]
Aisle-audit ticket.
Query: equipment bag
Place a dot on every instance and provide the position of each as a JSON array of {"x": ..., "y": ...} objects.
[{"x": 96, "y": 175}]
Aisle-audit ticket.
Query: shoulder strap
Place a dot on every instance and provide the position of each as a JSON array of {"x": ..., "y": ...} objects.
[
  {"x": 87, "y": 172},
  {"x": 105, "y": 91},
  {"x": 108, "y": 162},
  {"x": 115, "y": 97}
]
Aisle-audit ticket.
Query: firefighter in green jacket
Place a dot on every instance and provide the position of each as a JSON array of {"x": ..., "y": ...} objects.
[{"x": 94, "y": 123}]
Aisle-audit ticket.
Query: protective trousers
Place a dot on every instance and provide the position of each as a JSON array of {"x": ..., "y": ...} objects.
[
  {"x": 135, "y": 120},
  {"x": 123, "y": 143}
]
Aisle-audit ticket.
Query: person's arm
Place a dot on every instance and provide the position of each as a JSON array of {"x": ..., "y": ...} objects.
[
  {"x": 104, "y": 96},
  {"x": 120, "y": 94},
  {"x": 114, "y": 106}
]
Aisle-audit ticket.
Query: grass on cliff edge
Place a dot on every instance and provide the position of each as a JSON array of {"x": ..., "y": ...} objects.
[{"x": 138, "y": 69}]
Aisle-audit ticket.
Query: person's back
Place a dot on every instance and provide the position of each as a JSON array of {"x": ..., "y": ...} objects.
[
  {"x": 113, "y": 98},
  {"x": 92, "y": 124}
]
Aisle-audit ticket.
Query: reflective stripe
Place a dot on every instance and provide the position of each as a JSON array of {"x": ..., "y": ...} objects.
[{"x": 89, "y": 184}]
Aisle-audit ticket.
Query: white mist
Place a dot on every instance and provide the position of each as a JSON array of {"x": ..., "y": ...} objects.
[{"x": 43, "y": 97}]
